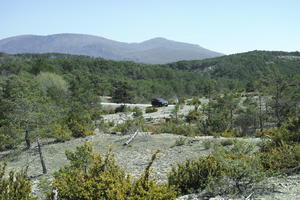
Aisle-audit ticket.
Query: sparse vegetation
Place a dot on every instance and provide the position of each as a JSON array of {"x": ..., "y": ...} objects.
[
  {"x": 137, "y": 112},
  {"x": 180, "y": 141},
  {"x": 151, "y": 110}
]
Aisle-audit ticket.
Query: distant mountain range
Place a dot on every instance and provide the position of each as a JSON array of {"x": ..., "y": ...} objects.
[{"x": 153, "y": 51}]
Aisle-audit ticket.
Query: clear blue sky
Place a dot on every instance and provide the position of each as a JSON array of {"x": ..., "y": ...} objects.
[{"x": 227, "y": 26}]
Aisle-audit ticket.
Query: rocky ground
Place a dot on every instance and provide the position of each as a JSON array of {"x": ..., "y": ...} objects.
[{"x": 135, "y": 157}]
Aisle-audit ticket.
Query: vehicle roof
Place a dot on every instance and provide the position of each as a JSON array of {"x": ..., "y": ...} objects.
[{"x": 159, "y": 99}]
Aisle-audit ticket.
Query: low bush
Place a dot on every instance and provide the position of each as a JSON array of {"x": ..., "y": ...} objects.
[
  {"x": 129, "y": 125},
  {"x": 192, "y": 175},
  {"x": 289, "y": 132},
  {"x": 16, "y": 186},
  {"x": 151, "y": 110},
  {"x": 226, "y": 133},
  {"x": 122, "y": 108},
  {"x": 243, "y": 168},
  {"x": 137, "y": 112},
  {"x": 194, "y": 101},
  {"x": 180, "y": 141},
  {"x": 193, "y": 115},
  {"x": 62, "y": 132},
  {"x": 80, "y": 124},
  {"x": 236, "y": 166},
  {"x": 280, "y": 158},
  {"x": 177, "y": 128},
  {"x": 227, "y": 142},
  {"x": 102, "y": 178}
]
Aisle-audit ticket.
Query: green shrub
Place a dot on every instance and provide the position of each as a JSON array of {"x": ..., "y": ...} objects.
[
  {"x": 177, "y": 128},
  {"x": 228, "y": 134},
  {"x": 194, "y": 101},
  {"x": 227, "y": 142},
  {"x": 236, "y": 166},
  {"x": 180, "y": 141},
  {"x": 16, "y": 186},
  {"x": 81, "y": 124},
  {"x": 10, "y": 137},
  {"x": 122, "y": 108},
  {"x": 104, "y": 179},
  {"x": 104, "y": 125},
  {"x": 193, "y": 115},
  {"x": 243, "y": 168},
  {"x": 62, "y": 132},
  {"x": 137, "y": 112},
  {"x": 129, "y": 125},
  {"x": 192, "y": 175},
  {"x": 280, "y": 158},
  {"x": 282, "y": 152},
  {"x": 289, "y": 132},
  {"x": 151, "y": 110}
]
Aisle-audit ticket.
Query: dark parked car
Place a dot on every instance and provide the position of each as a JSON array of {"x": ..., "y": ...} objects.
[{"x": 159, "y": 102}]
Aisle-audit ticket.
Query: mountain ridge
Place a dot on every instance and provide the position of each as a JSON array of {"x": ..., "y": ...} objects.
[{"x": 157, "y": 50}]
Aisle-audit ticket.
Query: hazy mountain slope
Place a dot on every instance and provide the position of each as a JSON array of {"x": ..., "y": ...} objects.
[{"x": 154, "y": 51}]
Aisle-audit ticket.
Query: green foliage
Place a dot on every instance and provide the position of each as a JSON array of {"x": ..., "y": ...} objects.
[
  {"x": 122, "y": 108},
  {"x": 137, "y": 112},
  {"x": 180, "y": 141},
  {"x": 10, "y": 137},
  {"x": 123, "y": 92},
  {"x": 227, "y": 142},
  {"x": 280, "y": 158},
  {"x": 62, "y": 132},
  {"x": 243, "y": 168},
  {"x": 281, "y": 153},
  {"x": 151, "y": 110},
  {"x": 192, "y": 175},
  {"x": 195, "y": 101},
  {"x": 129, "y": 125},
  {"x": 290, "y": 130},
  {"x": 23, "y": 105},
  {"x": 81, "y": 158},
  {"x": 53, "y": 85},
  {"x": 177, "y": 128},
  {"x": 104, "y": 179},
  {"x": 235, "y": 166},
  {"x": 16, "y": 186},
  {"x": 80, "y": 124},
  {"x": 193, "y": 115}
]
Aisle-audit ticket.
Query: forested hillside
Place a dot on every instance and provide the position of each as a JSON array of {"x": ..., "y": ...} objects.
[{"x": 240, "y": 69}]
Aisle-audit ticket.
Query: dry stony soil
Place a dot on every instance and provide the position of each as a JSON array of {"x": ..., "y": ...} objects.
[{"x": 135, "y": 156}]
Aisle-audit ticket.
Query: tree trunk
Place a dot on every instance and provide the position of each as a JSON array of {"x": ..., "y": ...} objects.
[
  {"x": 27, "y": 139},
  {"x": 261, "y": 126},
  {"x": 41, "y": 156}
]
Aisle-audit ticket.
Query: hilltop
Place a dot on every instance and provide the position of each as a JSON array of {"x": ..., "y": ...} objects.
[{"x": 153, "y": 51}]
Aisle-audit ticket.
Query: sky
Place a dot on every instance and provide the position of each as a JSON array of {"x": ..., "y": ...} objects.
[{"x": 226, "y": 26}]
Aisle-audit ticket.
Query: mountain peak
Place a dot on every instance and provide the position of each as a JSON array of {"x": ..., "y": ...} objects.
[{"x": 157, "y": 50}]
